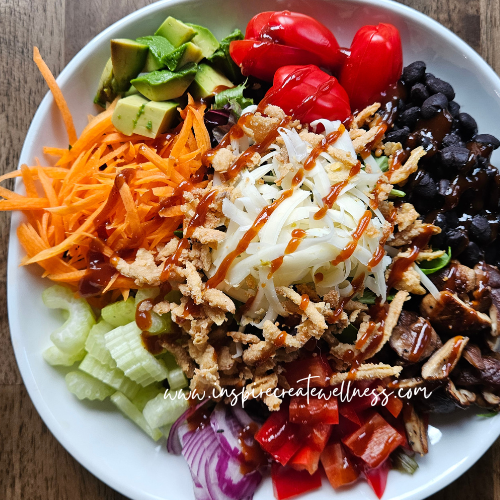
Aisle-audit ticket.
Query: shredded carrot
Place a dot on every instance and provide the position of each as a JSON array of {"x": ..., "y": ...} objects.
[
  {"x": 56, "y": 92},
  {"x": 107, "y": 187}
]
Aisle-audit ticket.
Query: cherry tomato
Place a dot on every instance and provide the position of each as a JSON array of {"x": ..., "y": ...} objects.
[
  {"x": 261, "y": 59},
  {"x": 375, "y": 62},
  {"x": 256, "y": 24},
  {"x": 308, "y": 93}
]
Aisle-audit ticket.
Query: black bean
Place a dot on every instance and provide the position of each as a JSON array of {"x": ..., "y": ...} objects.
[
  {"x": 399, "y": 135},
  {"x": 490, "y": 253},
  {"x": 488, "y": 140},
  {"x": 414, "y": 72},
  {"x": 419, "y": 93},
  {"x": 480, "y": 229},
  {"x": 455, "y": 157},
  {"x": 433, "y": 105},
  {"x": 409, "y": 105},
  {"x": 441, "y": 222},
  {"x": 426, "y": 187},
  {"x": 452, "y": 219},
  {"x": 438, "y": 86},
  {"x": 471, "y": 255},
  {"x": 467, "y": 125},
  {"x": 483, "y": 163},
  {"x": 428, "y": 76},
  {"x": 426, "y": 142},
  {"x": 457, "y": 241},
  {"x": 452, "y": 140},
  {"x": 444, "y": 184},
  {"x": 409, "y": 117},
  {"x": 454, "y": 108}
]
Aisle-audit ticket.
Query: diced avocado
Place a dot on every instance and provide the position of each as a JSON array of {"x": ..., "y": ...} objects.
[
  {"x": 159, "y": 48},
  {"x": 176, "y": 32},
  {"x": 233, "y": 96},
  {"x": 165, "y": 85},
  {"x": 222, "y": 60},
  {"x": 185, "y": 54},
  {"x": 105, "y": 92},
  {"x": 207, "y": 82},
  {"x": 128, "y": 58},
  {"x": 131, "y": 91},
  {"x": 137, "y": 115},
  {"x": 204, "y": 39}
]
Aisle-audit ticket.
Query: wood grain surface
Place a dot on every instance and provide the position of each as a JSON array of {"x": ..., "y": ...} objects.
[{"x": 33, "y": 465}]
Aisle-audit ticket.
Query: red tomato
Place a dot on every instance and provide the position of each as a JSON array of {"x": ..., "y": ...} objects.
[
  {"x": 289, "y": 483},
  {"x": 262, "y": 58},
  {"x": 340, "y": 469},
  {"x": 375, "y": 61},
  {"x": 317, "y": 367},
  {"x": 377, "y": 478},
  {"x": 307, "y": 458},
  {"x": 279, "y": 437},
  {"x": 316, "y": 411},
  {"x": 374, "y": 441},
  {"x": 257, "y": 24},
  {"x": 308, "y": 93}
]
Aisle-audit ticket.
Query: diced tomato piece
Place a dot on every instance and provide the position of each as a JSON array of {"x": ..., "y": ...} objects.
[
  {"x": 377, "y": 478},
  {"x": 349, "y": 413},
  {"x": 339, "y": 468},
  {"x": 374, "y": 441},
  {"x": 281, "y": 438},
  {"x": 307, "y": 458},
  {"x": 317, "y": 367},
  {"x": 289, "y": 483},
  {"x": 394, "y": 405},
  {"x": 315, "y": 411}
]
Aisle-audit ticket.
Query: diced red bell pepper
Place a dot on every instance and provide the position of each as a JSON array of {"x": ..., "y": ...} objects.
[
  {"x": 317, "y": 367},
  {"x": 394, "y": 405},
  {"x": 375, "y": 62},
  {"x": 374, "y": 441},
  {"x": 257, "y": 24},
  {"x": 339, "y": 468},
  {"x": 289, "y": 483},
  {"x": 377, "y": 478},
  {"x": 307, "y": 93},
  {"x": 307, "y": 458},
  {"x": 314, "y": 410},
  {"x": 261, "y": 58},
  {"x": 279, "y": 437}
]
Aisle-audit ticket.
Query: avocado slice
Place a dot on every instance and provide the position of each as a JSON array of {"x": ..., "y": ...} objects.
[
  {"x": 165, "y": 85},
  {"x": 105, "y": 91},
  {"x": 204, "y": 39},
  {"x": 186, "y": 53},
  {"x": 221, "y": 59},
  {"x": 128, "y": 58},
  {"x": 137, "y": 115},
  {"x": 207, "y": 82},
  {"x": 159, "y": 48},
  {"x": 176, "y": 32}
]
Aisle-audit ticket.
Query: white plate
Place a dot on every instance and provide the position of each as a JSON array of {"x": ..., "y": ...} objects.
[{"x": 103, "y": 441}]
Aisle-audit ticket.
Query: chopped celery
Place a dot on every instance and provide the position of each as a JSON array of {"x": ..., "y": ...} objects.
[
  {"x": 403, "y": 462},
  {"x": 383, "y": 162},
  {"x": 119, "y": 313},
  {"x": 159, "y": 323},
  {"x": 162, "y": 411},
  {"x": 131, "y": 356},
  {"x": 83, "y": 386},
  {"x": 131, "y": 411},
  {"x": 96, "y": 344},
  {"x": 174, "y": 296},
  {"x": 146, "y": 293},
  {"x": 55, "y": 357},
  {"x": 177, "y": 379},
  {"x": 113, "y": 377},
  {"x": 145, "y": 394},
  {"x": 71, "y": 336}
]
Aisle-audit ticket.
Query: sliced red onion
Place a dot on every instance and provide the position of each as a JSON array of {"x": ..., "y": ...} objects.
[
  {"x": 228, "y": 430},
  {"x": 174, "y": 441}
]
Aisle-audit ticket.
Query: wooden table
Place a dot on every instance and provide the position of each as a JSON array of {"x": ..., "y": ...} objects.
[{"x": 33, "y": 465}]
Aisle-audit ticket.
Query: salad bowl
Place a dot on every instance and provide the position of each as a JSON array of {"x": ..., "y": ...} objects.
[{"x": 110, "y": 446}]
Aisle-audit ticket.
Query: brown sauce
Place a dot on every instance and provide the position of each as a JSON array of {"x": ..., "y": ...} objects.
[
  {"x": 280, "y": 339},
  {"x": 100, "y": 271},
  {"x": 254, "y": 456},
  {"x": 420, "y": 342},
  {"x": 152, "y": 343},
  {"x": 356, "y": 284},
  {"x": 297, "y": 236},
  {"x": 367, "y": 149},
  {"x": 173, "y": 260},
  {"x": 356, "y": 235},
  {"x": 431, "y": 132},
  {"x": 298, "y": 178},
  {"x": 378, "y": 255},
  {"x": 200, "y": 216},
  {"x": 318, "y": 277},
  {"x": 304, "y": 302},
  {"x": 191, "y": 309},
  {"x": 143, "y": 314},
  {"x": 275, "y": 265},
  {"x": 323, "y": 146}
]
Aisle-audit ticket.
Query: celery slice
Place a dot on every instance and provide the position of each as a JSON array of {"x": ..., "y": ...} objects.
[
  {"x": 145, "y": 394},
  {"x": 119, "y": 313},
  {"x": 96, "y": 344},
  {"x": 71, "y": 336},
  {"x": 159, "y": 323},
  {"x": 177, "y": 379},
  {"x": 55, "y": 357},
  {"x": 132, "y": 412},
  {"x": 162, "y": 411},
  {"x": 126, "y": 348},
  {"x": 83, "y": 386},
  {"x": 113, "y": 377},
  {"x": 146, "y": 293}
]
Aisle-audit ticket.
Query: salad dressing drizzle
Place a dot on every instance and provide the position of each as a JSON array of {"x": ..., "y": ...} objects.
[
  {"x": 420, "y": 342},
  {"x": 386, "y": 233},
  {"x": 323, "y": 146},
  {"x": 304, "y": 302}
]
